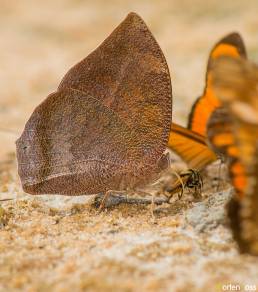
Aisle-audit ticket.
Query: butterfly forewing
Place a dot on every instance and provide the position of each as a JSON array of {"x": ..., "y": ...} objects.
[
  {"x": 231, "y": 45},
  {"x": 205, "y": 135},
  {"x": 191, "y": 147},
  {"x": 129, "y": 74}
]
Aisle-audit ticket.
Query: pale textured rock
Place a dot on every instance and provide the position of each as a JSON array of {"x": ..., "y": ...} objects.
[{"x": 209, "y": 214}]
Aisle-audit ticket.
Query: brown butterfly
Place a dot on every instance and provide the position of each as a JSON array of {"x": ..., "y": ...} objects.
[
  {"x": 196, "y": 144},
  {"x": 107, "y": 125},
  {"x": 235, "y": 82}
]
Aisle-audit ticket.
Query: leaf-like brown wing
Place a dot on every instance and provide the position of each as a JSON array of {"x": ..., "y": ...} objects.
[
  {"x": 107, "y": 126},
  {"x": 72, "y": 144},
  {"x": 129, "y": 74}
]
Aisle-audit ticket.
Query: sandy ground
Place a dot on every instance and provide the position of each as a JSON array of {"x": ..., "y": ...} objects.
[{"x": 51, "y": 243}]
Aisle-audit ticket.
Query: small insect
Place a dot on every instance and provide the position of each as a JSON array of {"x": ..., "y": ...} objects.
[
  {"x": 190, "y": 179},
  {"x": 194, "y": 181}
]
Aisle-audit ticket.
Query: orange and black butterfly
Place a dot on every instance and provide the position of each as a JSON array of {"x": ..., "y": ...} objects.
[
  {"x": 193, "y": 144},
  {"x": 206, "y": 138},
  {"x": 235, "y": 82}
]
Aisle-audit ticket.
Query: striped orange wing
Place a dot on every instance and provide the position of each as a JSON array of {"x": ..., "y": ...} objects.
[
  {"x": 236, "y": 84},
  {"x": 191, "y": 147},
  {"x": 231, "y": 45}
]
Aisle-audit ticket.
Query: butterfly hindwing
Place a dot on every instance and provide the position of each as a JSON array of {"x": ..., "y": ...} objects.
[
  {"x": 236, "y": 84},
  {"x": 242, "y": 210},
  {"x": 84, "y": 146}
]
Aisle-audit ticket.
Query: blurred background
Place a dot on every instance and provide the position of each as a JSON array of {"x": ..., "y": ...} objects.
[{"x": 41, "y": 40}]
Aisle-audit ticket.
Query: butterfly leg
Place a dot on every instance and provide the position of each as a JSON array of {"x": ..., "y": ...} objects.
[
  {"x": 219, "y": 176},
  {"x": 152, "y": 206},
  {"x": 112, "y": 198},
  {"x": 199, "y": 185},
  {"x": 103, "y": 202},
  {"x": 176, "y": 187}
]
